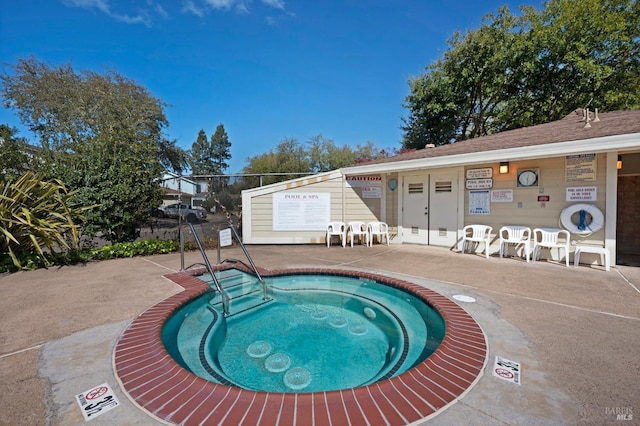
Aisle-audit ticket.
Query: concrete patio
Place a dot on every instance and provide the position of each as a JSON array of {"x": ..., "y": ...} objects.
[{"x": 575, "y": 331}]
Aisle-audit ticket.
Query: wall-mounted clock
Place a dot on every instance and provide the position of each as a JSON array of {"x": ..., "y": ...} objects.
[{"x": 528, "y": 178}]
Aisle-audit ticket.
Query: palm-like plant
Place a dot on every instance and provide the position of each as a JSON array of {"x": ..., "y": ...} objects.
[{"x": 37, "y": 216}]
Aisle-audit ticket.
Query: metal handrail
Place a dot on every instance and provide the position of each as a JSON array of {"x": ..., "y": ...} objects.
[
  {"x": 223, "y": 294},
  {"x": 253, "y": 265}
]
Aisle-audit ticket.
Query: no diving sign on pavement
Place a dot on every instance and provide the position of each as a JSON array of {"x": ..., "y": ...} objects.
[
  {"x": 97, "y": 401},
  {"x": 507, "y": 370}
]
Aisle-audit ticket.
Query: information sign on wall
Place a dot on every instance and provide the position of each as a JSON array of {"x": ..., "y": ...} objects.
[
  {"x": 371, "y": 185},
  {"x": 502, "y": 196},
  {"x": 479, "y": 183},
  {"x": 301, "y": 211},
  {"x": 485, "y": 172},
  {"x": 479, "y": 202},
  {"x": 580, "y": 168},
  {"x": 582, "y": 193}
]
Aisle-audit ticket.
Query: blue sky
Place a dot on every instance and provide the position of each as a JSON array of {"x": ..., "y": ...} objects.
[{"x": 266, "y": 69}]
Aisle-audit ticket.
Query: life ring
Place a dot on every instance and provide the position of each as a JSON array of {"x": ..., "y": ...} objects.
[{"x": 583, "y": 227}]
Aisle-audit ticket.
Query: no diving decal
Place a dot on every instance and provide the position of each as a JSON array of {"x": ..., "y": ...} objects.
[
  {"x": 507, "y": 370},
  {"x": 97, "y": 401}
]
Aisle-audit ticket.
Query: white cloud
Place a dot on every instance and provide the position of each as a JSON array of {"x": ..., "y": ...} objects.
[
  {"x": 278, "y": 4},
  {"x": 104, "y": 7},
  {"x": 240, "y": 6},
  {"x": 221, "y": 4},
  {"x": 200, "y": 7},
  {"x": 160, "y": 10},
  {"x": 190, "y": 7}
]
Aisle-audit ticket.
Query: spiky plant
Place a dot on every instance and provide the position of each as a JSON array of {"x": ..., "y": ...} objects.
[{"x": 37, "y": 216}]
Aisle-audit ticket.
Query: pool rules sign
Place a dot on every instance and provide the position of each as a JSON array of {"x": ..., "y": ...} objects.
[
  {"x": 97, "y": 401},
  {"x": 507, "y": 370}
]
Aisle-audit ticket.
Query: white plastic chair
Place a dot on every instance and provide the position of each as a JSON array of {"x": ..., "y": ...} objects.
[
  {"x": 338, "y": 229},
  {"x": 476, "y": 234},
  {"x": 550, "y": 238},
  {"x": 380, "y": 229},
  {"x": 515, "y": 234},
  {"x": 358, "y": 229}
]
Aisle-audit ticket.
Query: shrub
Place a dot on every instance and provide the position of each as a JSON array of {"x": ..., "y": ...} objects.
[
  {"x": 136, "y": 248},
  {"x": 37, "y": 217}
]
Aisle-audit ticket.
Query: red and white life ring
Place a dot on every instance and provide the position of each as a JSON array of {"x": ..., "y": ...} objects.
[{"x": 570, "y": 224}]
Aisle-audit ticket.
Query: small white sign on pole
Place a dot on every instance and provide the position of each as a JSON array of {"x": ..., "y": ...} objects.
[
  {"x": 97, "y": 401},
  {"x": 507, "y": 370},
  {"x": 225, "y": 237}
]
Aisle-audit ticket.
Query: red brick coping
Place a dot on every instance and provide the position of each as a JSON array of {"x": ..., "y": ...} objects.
[{"x": 160, "y": 386}]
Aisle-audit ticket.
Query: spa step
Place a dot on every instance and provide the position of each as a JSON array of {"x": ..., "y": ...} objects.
[{"x": 242, "y": 302}]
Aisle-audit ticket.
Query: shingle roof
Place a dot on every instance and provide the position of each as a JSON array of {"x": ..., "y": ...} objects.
[{"x": 570, "y": 128}]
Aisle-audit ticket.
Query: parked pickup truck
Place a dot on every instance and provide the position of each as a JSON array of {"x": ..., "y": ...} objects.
[{"x": 190, "y": 214}]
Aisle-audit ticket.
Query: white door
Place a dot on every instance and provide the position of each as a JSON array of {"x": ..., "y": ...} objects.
[
  {"x": 443, "y": 209},
  {"x": 430, "y": 210},
  {"x": 415, "y": 209}
]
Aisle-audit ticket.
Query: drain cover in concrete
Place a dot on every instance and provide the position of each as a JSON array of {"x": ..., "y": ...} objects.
[{"x": 463, "y": 298}]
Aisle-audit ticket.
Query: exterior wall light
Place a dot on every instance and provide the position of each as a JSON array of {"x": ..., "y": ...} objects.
[
  {"x": 619, "y": 162},
  {"x": 504, "y": 167}
]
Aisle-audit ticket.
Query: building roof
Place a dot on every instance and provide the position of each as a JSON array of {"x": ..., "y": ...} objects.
[{"x": 570, "y": 128}]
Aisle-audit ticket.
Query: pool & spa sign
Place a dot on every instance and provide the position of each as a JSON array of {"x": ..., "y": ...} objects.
[{"x": 97, "y": 401}]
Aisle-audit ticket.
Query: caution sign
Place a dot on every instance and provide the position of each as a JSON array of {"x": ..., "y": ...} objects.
[
  {"x": 97, "y": 401},
  {"x": 507, "y": 370}
]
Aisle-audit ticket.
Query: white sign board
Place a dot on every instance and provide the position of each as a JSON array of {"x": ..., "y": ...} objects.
[
  {"x": 479, "y": 183},
  {"x": 225, "y": 237},
  {"x": 502, "y": 196},
  {"x": 372, "y": 192},
  {"x": 582, "y": 193},
  {"x": 301, "y": 211},
  {"x": 581, "y": 168},
  {"x": 97, "y": 401},
  {"x": 507, "y": 370},
  {"x": 479, "y": 202},
  {"x": 486, "y": 172}
]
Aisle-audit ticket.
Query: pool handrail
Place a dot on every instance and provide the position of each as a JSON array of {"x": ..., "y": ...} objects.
[
  {"x": 225, "y": 297},
  {"x": 216, "y": 283}
]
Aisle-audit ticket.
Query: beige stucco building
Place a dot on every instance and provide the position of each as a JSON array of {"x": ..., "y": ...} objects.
[{"x": 427, "y": 196}]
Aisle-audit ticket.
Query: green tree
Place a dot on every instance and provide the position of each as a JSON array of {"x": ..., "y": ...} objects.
[
  {"x": 209, "y": 157},
  {"x": 319, "y": 154},
  {"x": 101, "y": 134},
  {"x": 200, "y": 155},
  {"x": 324, "y": 155},
  {"x": 221, "y": 148},
  {"x": 289, "y": 156},
  {"x": 16, "y": 155},
  {"x": 520, "y": 71}
]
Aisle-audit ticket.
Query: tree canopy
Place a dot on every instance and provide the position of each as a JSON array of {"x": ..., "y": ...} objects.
[
  {"x": 101, "y": 134},
  {"x": 16, "y": 155},
  {"x": 317, "y": 155},
  {"x": 517, "y": 71}
]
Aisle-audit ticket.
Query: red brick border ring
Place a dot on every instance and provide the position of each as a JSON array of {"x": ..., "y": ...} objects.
[{"x": 160, "y": 386}]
